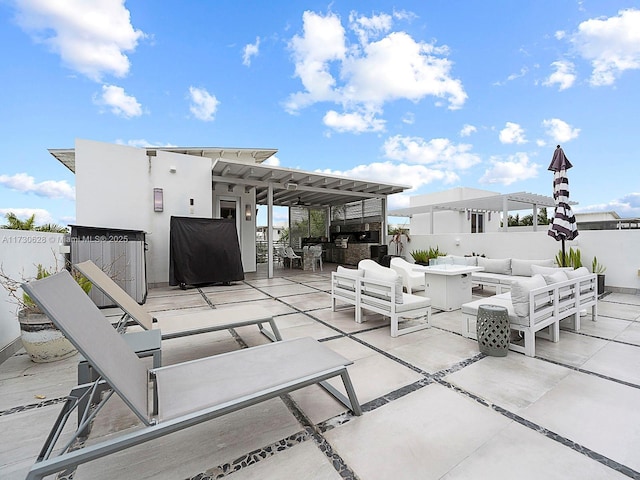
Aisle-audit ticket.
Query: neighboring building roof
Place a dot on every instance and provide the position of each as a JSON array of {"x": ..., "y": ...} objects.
[{"x": 491, "y": 203}]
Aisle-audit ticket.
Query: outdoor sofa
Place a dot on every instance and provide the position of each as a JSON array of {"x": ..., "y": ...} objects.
[
  {"x": 378, "y": 289},
  {"x": 498, "y": 273},
  {"x": 540, "y": 302}
]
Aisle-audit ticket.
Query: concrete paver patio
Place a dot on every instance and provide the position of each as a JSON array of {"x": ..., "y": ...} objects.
[{"x": 434, "y": 406}]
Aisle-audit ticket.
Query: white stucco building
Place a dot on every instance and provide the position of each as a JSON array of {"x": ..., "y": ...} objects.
[{"x": 131, "y": 188}]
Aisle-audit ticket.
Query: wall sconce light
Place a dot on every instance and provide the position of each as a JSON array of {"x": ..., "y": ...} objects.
[
  {"x": 158, "y": 202},
  {"x": 468, "y": 214},
  {"x": 172, "y": 169},
  {"x": 247, "y": 212},
  {"x": 489, "y": 215},
  {"x": 230, "y": 188},
  {"x": 457, "y": 241},
  {"x": 191, "y": 208}
]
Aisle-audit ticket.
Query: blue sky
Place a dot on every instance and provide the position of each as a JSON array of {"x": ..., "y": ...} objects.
[{"x": 432, "y": 94}]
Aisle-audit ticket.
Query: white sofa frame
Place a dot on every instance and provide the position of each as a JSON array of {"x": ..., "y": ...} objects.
[
  {"x": 547, "y": 307},
  {"x": 378, "y": 296}
]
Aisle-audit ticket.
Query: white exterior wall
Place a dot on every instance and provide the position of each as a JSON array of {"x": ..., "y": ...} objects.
[
  {"x": 114, "y": 188},
  {"x": 20, "y": 253},
  {"x": 191, "y": 180},
  {"x": 615, "y": 249}
]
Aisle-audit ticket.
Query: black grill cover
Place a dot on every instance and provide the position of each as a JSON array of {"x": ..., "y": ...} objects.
[{"x": 204, "y": 250}]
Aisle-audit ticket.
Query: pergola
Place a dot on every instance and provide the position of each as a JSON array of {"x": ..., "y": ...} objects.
[
  {"x": 503, "y": 203},
  {"x": 287, "y": 187}
]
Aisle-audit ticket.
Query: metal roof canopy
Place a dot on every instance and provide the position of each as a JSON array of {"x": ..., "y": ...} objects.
[{"x": 293, "y": 187}]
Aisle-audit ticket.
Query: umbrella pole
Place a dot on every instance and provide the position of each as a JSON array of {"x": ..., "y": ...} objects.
[{"x": 564, "y": 258}]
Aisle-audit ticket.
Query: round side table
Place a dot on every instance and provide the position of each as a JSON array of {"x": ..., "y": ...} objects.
[{"x": 493, "y": 330}]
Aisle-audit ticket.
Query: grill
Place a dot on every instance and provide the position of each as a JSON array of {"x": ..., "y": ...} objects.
[{"x": 342, "y": 241}]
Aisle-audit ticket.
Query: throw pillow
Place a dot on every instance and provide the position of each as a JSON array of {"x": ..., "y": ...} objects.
[
  {"x": 559, "y": 276},
  {"x": 352, "y": 274},
  {"x": 520, "y": 293},
  {"x": 495, "y": 265},
  {"x": 524, "y": 267},
  {"x": 378, "y": 272},
  {"x": 541, "y": 270},
  {"x": 578, "y": 272}
]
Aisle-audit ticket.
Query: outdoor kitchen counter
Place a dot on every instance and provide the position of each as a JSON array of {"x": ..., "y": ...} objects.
[{"x": 351, "y": 255}]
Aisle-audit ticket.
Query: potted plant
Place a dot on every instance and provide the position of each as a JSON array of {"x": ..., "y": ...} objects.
[
  {"x": 42, "y": 340},
  {"x": 599, "y": 269},
  {"x": 423, "y": 257},
  {"x": 572, "y": 258}
]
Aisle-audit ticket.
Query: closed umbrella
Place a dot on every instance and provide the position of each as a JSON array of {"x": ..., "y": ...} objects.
[{"x": 563, "y": 226}]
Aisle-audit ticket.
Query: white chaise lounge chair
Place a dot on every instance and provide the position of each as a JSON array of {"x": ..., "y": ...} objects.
[{"x": 172, "y": 398}]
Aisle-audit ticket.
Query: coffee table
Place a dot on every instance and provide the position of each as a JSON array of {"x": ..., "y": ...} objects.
[{"x": 448, "y": 286}]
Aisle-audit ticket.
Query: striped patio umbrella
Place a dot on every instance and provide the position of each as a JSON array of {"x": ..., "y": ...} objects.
[{"x": 563, "y": 226}]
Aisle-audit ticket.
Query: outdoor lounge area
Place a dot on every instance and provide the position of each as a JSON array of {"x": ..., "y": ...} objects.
[{"x": 434, "y": 407}]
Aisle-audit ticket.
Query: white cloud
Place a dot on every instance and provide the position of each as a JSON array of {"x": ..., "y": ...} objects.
[
  {"x": 612, "y": 45},
  {"x": 42, "y": 216},
  {"x": 514, "y": 76},
  {"x": 363, "y": 75},
  {"x": 440, "y": 153},
  {"x": 250, "y": 50},
  {"x": 142, "y": 143},
  {"x": 409, "y": 118},
  {"x": 514, "y": 169},
  {"x": 323, "y": 41},
  {"x": 119, "y": 102},
  {"x": 203, "y": 104},
  {"x": 560, "y": 130},
  {"x": 628, "y": 206},
  {"x": 91, "y": 37},
  {"x": 414, "y": 176},
  {"x": 49, "y": 188},
  {"x": 272, "y": 160},
  {"x": 355, "y": 122},
  {"x": 367, "y": 27},
  {"x": 467, "y": 130},
  {"x": 512, "y": 133},
  {"x": 564, "y": 76}
]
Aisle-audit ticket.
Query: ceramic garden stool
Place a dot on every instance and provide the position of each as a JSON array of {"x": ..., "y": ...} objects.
[{"x": 493, "y": 330}]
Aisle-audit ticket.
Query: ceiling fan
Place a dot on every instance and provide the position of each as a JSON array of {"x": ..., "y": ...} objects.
[{"x": 300, "y": 203}]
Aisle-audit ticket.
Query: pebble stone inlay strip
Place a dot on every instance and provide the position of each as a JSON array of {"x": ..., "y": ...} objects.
[
  {"x": 31, "y": 406},
  {"x": 589, "y": 372}
]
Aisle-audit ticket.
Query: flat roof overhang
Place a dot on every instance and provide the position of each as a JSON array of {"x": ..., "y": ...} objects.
[{"x": 293, "y": 187}]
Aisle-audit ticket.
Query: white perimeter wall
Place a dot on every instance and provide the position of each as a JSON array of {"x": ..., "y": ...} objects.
[
  {"x": 20, "y": 253},
  {"x": 616, "y": 249}
]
